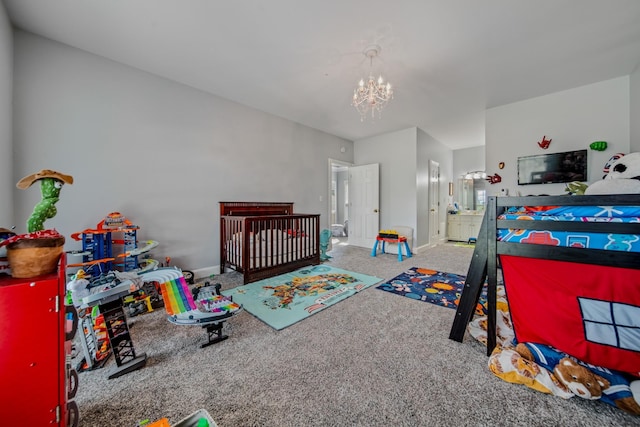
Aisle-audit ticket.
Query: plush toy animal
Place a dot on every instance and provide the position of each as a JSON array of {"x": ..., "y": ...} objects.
[
  {"x": 586, "y": 381},
  {"x": 623, "y": 177},
  {"x": 580, "y": 380},
  {"x": 50, "y": 184},
  {"x": 507, "y": 364}
]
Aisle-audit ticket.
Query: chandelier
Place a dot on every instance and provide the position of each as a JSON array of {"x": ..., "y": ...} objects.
[{"x": 372, "y": 94}]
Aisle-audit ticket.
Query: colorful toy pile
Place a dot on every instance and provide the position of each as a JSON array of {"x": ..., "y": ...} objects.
[{"x": 113, "y": 245}]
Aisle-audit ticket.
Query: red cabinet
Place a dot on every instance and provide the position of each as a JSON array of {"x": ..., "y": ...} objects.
[{"x": 35, "y": 376}]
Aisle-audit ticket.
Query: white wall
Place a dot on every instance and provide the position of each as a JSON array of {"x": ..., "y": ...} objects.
[
  {"x": 634, "y": 114},
  {"x": 161, "y": 153},
  {"x": 572, "y": 118},
  {"x": 396, "y": 154},
  {"x": 6, "y": 142},
  {"x": 404, "y": 157},
  {"x": 466, "y": 160}
]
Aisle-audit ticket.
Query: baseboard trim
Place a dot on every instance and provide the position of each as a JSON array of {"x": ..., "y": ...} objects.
[
  {"x": 421, "y": 248},
  {"x": 206, "y": 272}
]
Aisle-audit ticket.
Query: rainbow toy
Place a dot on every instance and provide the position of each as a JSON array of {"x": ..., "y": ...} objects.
[
  {"x": 216, "y": 304},
  {"x": 174, "y": 289},
  {"x": 176, "y": 295},
  {"x": 210, "y": 310}
]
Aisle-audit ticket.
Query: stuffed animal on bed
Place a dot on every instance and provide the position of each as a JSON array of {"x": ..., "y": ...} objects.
[{"x": 623, "y": 177}]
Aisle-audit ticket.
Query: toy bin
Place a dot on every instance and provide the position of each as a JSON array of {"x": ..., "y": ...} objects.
[{"x": 200, "y": 418}]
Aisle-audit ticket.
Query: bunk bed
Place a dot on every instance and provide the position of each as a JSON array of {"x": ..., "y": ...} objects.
[
  {"x": 571, "y": 270},
  {"x": 265, "y": 239}
]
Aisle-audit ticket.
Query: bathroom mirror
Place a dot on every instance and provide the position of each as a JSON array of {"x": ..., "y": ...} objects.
[{"x": 473, "y": 194}]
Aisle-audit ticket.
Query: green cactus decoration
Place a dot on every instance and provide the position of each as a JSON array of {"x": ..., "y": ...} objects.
[
  {"x": 45, "y": 208},
  {"x": 598, "y": 145},
  {"x": 51, "y": 183}
]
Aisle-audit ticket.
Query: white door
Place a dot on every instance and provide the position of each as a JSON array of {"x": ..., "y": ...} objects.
[
  {"x": 364, "y": 215},
  {"x": 434, "y": 202}
]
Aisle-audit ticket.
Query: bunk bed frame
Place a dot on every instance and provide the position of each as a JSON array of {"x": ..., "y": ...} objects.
[{"x": 485, "y": 264}]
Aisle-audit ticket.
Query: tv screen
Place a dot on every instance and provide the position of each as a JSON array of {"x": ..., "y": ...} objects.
[{"x": 552, "y": 168}]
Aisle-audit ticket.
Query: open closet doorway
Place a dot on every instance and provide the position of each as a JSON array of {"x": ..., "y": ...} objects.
[{"x": 338, "y": 202}]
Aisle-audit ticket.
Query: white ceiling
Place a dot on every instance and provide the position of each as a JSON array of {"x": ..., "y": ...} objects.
[{"x": 448, "y": 60}]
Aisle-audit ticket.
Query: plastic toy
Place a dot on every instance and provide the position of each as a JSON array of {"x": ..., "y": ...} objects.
[
  {"x": 208, "y": 308},
  {"x": 494, "y": 179},
  {"x": 325, "y": 237},
  {"x": 50, "y": 184},
  {"x": 598, "y": 145},
  {"x": 99, "y": 247},
  {"x": 544, "y": 144},
  {"x": 78, "y": 288},
  {"x": 38, "y": 251},
  {"x": 389, "y": 234},
  {"x": 94, "y": 339}
]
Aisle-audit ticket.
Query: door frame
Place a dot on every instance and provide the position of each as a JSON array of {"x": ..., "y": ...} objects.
[
  {"x": 331, "y": 163},
  {"x": 434, "y": 203}
]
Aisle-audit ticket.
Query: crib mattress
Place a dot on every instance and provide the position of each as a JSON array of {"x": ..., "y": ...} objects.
[{"x": 270, "y": 252}]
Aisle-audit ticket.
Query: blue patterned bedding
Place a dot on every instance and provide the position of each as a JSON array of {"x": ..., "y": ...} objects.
[{"x": 615, "y": 242}]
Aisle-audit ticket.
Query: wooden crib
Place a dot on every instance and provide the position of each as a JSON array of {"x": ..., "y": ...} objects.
[{"x": 265, "y": 239}]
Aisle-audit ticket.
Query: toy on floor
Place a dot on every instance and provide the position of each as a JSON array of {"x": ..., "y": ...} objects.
[
  {"x": 78, "y": 288},
  {"x": 548, "y": 370},
  {"x": 581, "y": 379},
  {"x": 144, "y": 300},
  {"x": 208, "y": 308},
  {"x": 188, "y": 275},
  {"x": 94, "y": 339},
  {"x": 113, "y": 245},
  {"x": 325, "y": 238}
]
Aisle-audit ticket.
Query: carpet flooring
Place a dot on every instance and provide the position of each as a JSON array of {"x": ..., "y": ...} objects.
[{"x": 379, "y": 360}]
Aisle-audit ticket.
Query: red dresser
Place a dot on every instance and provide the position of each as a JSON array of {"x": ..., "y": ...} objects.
[{"x": 37, "y": 382}]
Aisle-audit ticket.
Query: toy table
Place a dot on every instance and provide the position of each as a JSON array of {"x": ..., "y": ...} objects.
[{"x": 400, "y": 240}]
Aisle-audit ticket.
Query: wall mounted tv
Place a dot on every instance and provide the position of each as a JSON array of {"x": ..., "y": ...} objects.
[{"x": 553, "y": 167}]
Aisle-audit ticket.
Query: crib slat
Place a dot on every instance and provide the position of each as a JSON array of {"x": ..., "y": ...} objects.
[{"x": 264, "y": 246}]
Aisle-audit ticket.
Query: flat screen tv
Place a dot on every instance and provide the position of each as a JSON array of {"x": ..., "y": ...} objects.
[{"x": 553, "y": 167}]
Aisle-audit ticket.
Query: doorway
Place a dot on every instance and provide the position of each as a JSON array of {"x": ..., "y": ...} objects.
[
  {"x": 338, "y": 202},
  {"x": 353, "y": 204}
]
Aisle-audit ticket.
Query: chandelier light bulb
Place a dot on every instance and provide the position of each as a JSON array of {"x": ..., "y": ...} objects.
[{"x": 371, "y": 96}]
